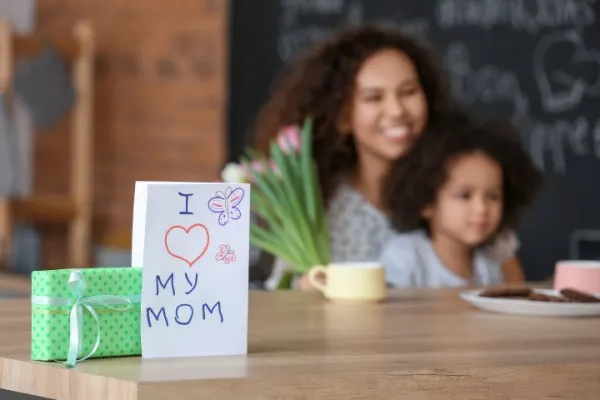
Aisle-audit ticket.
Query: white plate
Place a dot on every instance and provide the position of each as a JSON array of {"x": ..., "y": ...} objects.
[{"x": 529, "y": 307}]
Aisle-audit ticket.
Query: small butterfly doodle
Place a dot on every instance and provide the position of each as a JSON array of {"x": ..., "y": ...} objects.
[
  {"x": 226, "y": 204},
  {"x": 225, "y": 254}
]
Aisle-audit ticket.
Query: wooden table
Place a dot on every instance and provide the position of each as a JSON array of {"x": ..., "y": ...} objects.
[
  {"x": 419, "y": 345},
  {"x": 15, "y": 283}
]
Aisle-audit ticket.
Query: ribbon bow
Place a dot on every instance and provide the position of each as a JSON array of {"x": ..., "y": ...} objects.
[{"x": 79, "y": 301}]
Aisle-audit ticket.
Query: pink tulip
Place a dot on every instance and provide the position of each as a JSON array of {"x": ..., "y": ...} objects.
[
  {"x": 259, "y": 167},
  {"x": 275, "y": 168},
  {"x": 255, "y": 166},
  {"x": 288, "y": 139}
]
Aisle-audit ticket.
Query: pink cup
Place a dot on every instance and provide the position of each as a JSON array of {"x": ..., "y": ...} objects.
[{"x": 580, "y": 275}]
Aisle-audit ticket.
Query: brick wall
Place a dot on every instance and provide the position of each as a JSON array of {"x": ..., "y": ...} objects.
[{"x": 160, "y": 96}]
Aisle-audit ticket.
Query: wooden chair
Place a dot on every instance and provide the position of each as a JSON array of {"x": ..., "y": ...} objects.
[{"x": 75, "y": 207}]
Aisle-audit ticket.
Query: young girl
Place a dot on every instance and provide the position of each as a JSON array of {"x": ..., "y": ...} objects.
[
  {"x": 371, "y": 93},
  {"x": 452, "y": 196}
]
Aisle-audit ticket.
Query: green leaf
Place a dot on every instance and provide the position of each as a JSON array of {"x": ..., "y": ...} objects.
[
  {"x": 288, "y": 237},
  {"x": 296, "y": 211},
  {"x": 267, "y": 241},
  {"x": 272, "y": 187},
  {"x": 308, "y": 177},
  {"x": 261, "y": 207},
  {"x": 294, "y": 162},
  {"x": 255, "y": 155},
  {"x": 286, "y": 281},
  {"x": 286, "y": 170},
  {"x": 291, "y": 205},
  {"x": 322, "y": 226},
  {"x": 263, "y": 182},
  {"x": 276, "y": 245}
]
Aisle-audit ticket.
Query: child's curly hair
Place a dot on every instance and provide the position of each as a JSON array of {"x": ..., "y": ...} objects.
[
  {"x": 416, "y": 178},
  {"x": 321, "y": 85}
]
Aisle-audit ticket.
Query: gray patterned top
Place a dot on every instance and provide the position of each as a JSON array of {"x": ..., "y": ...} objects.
[
  {"x": 358, "y": 232},
  {"x": 357, "y": 229}
]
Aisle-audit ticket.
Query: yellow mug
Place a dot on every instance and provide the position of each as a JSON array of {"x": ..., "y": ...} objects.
[{"x": 350, "y": 281}]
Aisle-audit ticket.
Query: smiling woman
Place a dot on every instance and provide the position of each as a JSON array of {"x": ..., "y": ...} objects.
[
  {"x": 356, "y": 85},
  {"x": 388, "y": 111},
  {"x": 371, "y": 93}
]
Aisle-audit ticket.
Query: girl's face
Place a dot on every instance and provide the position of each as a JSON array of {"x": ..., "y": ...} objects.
[
  {"x": 389, "y": 108},
  {"x": 468, "y": 208}
]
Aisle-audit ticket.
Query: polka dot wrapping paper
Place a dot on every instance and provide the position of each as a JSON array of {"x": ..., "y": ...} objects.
[{"x": 119, "y": 329}]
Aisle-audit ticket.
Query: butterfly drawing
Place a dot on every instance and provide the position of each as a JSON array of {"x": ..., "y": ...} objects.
[
  {"x": 226, "y": 204},
  {"x": 225, "y": 254}
]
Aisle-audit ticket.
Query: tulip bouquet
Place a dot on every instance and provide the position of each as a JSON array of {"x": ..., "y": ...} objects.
[{"x": 286, "y": 198}]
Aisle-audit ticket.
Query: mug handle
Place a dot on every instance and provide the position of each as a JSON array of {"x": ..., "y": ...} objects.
[{"x": 313, "y": 273}]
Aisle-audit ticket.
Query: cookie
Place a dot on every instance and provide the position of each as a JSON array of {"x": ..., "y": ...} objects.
[
  {"x": 577, "y": 296},
  {"x": 506, "y": 292},
  {"x": 534, "y": 296}
]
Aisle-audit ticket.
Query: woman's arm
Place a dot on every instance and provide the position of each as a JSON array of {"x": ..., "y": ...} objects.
[
  {"x": 304, "y": 284},
  {"x": 513, "y": 271}
]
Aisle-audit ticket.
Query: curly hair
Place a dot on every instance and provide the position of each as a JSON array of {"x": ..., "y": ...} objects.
[
  {"x": 416, "y": 178},
  {"x": 321, "y": 84}
]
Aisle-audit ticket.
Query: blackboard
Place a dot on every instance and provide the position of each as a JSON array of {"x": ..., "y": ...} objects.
[{"x": 536, "y": 62}]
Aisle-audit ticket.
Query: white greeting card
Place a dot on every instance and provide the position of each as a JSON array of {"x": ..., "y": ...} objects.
[{"x": 192, "y": 240}]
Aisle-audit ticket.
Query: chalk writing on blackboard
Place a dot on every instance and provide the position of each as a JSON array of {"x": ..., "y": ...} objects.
[
  {"x": 486, "y": 84},
  {"x": 355, "y": 13},
  {"x": 323, "y": 7},
  {"x": 413, "y": 26},
  {"x": 547, "y": 142},
  {"x": 579, "y": 134},
  {"x": 528, "y": 16},
  {"x": 418, "y": 26},
  {"x": 291, "y": 43},
  {"x": 564, "y": 89},
  {"x": 294, "y": 36},
  {"x": 596, "y": 135}
]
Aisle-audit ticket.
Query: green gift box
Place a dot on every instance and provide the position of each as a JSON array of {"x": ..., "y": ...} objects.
[{"x": 85, "y": 313}]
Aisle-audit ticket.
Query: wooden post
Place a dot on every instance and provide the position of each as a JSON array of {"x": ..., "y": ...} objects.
[
  {"x": 80, "y": 228},
  {"x": 6, "y": 71}
]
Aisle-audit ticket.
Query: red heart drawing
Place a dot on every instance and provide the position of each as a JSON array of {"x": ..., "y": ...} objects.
[{"x": 187, "y": 231}]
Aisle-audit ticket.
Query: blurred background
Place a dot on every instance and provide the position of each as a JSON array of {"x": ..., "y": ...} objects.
[{"x": 175, "y": 86}]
